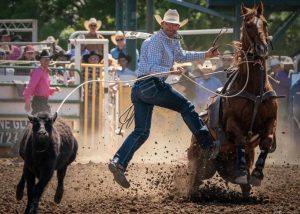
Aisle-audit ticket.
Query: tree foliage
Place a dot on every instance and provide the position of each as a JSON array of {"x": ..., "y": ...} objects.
[{"x": 61, "y": 17}]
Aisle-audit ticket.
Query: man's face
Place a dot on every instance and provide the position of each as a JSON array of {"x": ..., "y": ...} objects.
[
  {"x": 120, "y": 42},
  {"x": 45, "y": 62},
  {"x": 170, "y": 29},
  {"x": 30, "y": 55},
  {"x": 93, "y": 27},
  {"x": 123, "y": 62},
  {"x": 94, "y": 59}
]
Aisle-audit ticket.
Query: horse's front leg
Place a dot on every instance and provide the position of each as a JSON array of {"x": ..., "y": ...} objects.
[
  {"x": 264, "y": 145},
  {"x": 234, "y": 130}
]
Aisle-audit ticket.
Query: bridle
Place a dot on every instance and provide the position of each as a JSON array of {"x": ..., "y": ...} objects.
[{"x": 253, "y": 46}]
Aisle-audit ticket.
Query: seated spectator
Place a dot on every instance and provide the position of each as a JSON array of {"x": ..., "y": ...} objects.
[
  {"x": 63, "y": 76},
  {"x": 91, "y": 58},
  {"x": 119, "y": 41},
  {"x": 29, "y": 53},
  {"x": 18, "y": 38},
  {"x": 14, "y": 51},
  {"x": 208, "y": 81},
  {"x": 39, "y": 86},
  {"x": 92, "y": 25},
  {"x": 55, "y": 47},
  {"x": 227, "y": 61},
  {"x": 281, "y": 88},
  {"x": 124, "y": 73}
]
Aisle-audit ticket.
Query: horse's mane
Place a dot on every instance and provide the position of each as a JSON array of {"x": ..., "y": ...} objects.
[{"x": 237, "y": 45}]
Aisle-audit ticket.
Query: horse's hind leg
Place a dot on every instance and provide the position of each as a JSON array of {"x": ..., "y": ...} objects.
[{"x": 60, "y": 184}]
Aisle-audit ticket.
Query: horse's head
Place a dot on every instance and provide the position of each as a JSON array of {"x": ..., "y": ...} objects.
[{"x": 254, "y": 32}]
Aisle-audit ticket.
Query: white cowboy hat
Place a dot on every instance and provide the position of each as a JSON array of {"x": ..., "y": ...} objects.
[
  {"x": 171, "y": 16},
  {"x": 92, "y": 21},
  {"x": 274, "y": 62},
  {"x": 52, "y": 40},
  {"x": 119, "y": 34},
  {"x": 207, "y": 64}
]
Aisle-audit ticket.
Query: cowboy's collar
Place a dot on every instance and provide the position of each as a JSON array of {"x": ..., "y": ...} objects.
[{"x": 177, "y": 36}]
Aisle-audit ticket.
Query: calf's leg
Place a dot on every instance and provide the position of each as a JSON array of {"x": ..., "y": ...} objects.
[
  {"x": 60, "y": 185},
  {"x": 45, "y": 177},
  {"x": 30, "y": 180},
  {"x": 20, "y": 186}
]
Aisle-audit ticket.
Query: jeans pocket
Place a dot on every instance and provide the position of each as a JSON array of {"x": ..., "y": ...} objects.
[{"x": 148, "y": 90}]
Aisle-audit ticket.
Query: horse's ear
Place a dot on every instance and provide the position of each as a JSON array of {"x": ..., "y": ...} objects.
[
  {"x": 244, "y": 9},
  {"x": 260, "y": 9}
]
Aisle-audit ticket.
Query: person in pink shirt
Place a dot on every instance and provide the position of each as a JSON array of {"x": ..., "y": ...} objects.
[
  {"x": 14, "y": 51},
  {"x": 39, "y": 86}
]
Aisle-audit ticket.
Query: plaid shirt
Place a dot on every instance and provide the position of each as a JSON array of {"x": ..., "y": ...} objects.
[{"x": 159, "y": 52}]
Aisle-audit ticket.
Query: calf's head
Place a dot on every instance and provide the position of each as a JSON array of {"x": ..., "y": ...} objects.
[{"x": 42, "y": 127}]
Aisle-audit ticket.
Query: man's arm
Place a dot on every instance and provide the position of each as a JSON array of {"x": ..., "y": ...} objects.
[{"x": 188, "y": 56}]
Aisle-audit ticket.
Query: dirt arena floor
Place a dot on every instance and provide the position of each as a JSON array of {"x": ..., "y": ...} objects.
[
  {"x": 157, "y": 175},
  {"x": 89, "y": 188}
]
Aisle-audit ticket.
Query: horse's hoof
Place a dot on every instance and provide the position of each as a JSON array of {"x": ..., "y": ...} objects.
[
  {"x": 241, "y": 180},
  {"x": 254, "y": 181},
  {"x": 246, "y": 188},
  {"x": 241, "y": 177}
]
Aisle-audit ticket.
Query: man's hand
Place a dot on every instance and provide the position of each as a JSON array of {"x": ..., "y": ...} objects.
[
  {"x": 57, "y": 89},
  {"x": 177, "y": 70},
  {"x": 27, "y": 106},
  {"x": 212, "y": 52}
]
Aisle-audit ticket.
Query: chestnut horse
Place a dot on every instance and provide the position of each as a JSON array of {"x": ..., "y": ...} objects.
[{"x": 245, "y": 117}]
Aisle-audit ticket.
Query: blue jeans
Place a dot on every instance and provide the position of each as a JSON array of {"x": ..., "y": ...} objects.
[{"x": 145, "y": 95}]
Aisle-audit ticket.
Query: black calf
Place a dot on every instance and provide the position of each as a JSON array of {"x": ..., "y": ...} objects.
[{"x": 47, "y": 145}]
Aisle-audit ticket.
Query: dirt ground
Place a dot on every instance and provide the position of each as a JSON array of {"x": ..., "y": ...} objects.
[
  {"x": 89, "y": 188},
  {"x": 156, "y": 171}
]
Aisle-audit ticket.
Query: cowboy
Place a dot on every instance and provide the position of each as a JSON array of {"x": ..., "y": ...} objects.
[
  {"x": 93, "y": 25},
  {"x": 158, "y": 54},
  {"x": 206, "y": 80},
  {"x": 39, "y": 86},
  {"x": 119, "y": 41},
  {"x": 123, "y": 72}
]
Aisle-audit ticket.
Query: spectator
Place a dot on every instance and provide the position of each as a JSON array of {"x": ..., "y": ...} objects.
[
  {"x": 14, "y": 51},
  {"x": 29, "y": 53},
  {"x": 119, "y": 41},
  {"x": 208, "y": 81},
  {"x": 55, "y": 47},
  {"x": 92, "y": 58},
  {"x": 39, "y": 86},
  {"x": 226, "y": 62},
  {"x": 92, "y": 26},
  {"x": 281, "y": 88},
  {"x": 62, "y": 60},
  {"x": 123, "y": 72}
]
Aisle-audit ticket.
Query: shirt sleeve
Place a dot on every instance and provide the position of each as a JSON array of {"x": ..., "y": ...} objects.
[
  {"x": 51, "y": 91},
  {"x": 154, "y": 56},
  {"x": 34, "y": 80},
  {"x": 187, "y": 56}
]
